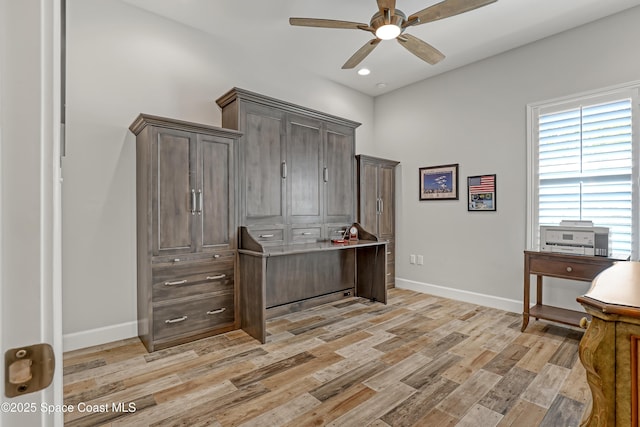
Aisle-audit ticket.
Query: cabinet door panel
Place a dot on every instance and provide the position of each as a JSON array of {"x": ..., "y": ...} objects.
[
  {"x": 216, "y": 165},
  {"x": 368, "y": 202},
  {"x": 263, "y": 151},
  {"x": 174, "y": 155},
  {"x": 386, "y": 191},
  {"x": 340, "y": 187},
  {"x": 304, "y": 177}
]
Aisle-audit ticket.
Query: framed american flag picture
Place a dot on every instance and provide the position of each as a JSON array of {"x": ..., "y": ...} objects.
[{"x": 481, "y": 193}]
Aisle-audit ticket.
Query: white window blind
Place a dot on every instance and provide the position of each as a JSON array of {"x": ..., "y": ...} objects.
[{"x": 583, "y": 166}]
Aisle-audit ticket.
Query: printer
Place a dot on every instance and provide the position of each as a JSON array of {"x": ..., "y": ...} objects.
[{"x": 576, "y": 238}]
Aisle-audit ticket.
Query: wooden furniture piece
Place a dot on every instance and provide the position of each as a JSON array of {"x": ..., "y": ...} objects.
[
  {"x": 376, "y": 203},
  {"x": 573, "y": 267},
  {"x": 610, "y": 347},
  {"x": 275, "y": 280},
  {"x": 296, "y": 168},
  {"x": 186, "y": 230}
]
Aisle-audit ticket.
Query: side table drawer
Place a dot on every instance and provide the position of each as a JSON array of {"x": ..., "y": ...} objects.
[
  {"x": 193, "y": 316},
  {"x": 566, "y": 269}
]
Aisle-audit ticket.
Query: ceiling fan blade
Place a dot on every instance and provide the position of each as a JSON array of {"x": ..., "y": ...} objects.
[
  {"x": 445, "y": 9},
  {"x": 421, "y": 49},
  {"x": 361, "y": 54},
  {"x": 387, "y": 4},
  {"x": 328, "y": 23}
]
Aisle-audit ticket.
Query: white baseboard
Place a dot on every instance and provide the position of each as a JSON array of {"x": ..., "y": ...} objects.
[
  {"x": 126, "y": 330},
  {"x": 500, "y": 303},
  {"x": 99, "y": 336}
]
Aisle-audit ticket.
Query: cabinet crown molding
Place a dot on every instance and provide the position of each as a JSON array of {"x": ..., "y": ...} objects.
[
  {"x": 144, "y": 120},
  {"x": 242, "y": 94}
]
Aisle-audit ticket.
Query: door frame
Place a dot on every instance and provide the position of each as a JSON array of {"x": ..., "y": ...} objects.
[{"x": 30, "y": 194}]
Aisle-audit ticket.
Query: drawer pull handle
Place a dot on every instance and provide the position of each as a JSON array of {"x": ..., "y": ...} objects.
[
  {"x": 306, "y": 233},
  {"x": 569, "y": 269},
  {"x": 216, "y": 256},
  {"x": 176, "y": 260},
  {"x": 265, "y": 236},
  {"x": 388, "y": 274},
  {"x": 218, "y": 311},
  {"x": 389, "y": 253},
  {"x": 176, "y": 320},
  {"x": 219, "y": 276},
  {"x": 177, "y": 282}
]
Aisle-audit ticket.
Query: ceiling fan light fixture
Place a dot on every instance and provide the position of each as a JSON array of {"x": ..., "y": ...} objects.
[
  {"x": 388, "y": 27},
  {"x": 388, "y": 32}
]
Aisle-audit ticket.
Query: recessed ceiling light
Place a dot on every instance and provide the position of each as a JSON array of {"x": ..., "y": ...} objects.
[
  {"x": 364, "y": 71},
  {"x": 381, "y": 85}
]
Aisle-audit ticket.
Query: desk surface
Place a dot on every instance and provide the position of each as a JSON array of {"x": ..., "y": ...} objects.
[
  {"x": 302, "y": 248},
  {"x": 616, "y": 290}
]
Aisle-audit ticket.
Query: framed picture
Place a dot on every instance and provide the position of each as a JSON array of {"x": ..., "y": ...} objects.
[
  {"x": 439, "y": 182},
  {"x": 481, "y": 193}
]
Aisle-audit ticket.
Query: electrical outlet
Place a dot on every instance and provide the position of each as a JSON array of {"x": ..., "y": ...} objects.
[
  {"x": 412, "y": 259},
  {"x": 420, "y": 260}
]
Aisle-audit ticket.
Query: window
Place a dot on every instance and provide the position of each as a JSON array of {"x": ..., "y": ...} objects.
[{"x": 582, "y": 157}]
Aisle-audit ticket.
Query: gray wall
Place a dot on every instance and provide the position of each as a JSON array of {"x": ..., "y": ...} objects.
[
  {"x": 476, "y": 116},
  {"x": 123, "y": 61}
]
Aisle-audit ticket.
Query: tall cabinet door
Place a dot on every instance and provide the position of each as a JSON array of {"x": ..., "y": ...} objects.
[
  {"x": 263, "y": 165},
  {"x": 173, "y": 195},
  {"x": 339, "y": 177},
  {"x": 304, "y": 170},
  {"x": 386, "y": 207},
  {"x": 369, "y": 198},
  {"x": 215, "y": 193}
]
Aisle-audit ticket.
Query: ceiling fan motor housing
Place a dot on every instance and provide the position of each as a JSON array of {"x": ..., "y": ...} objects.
[{"x": 379, "y": 19}]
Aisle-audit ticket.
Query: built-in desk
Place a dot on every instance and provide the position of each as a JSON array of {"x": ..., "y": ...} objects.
[
  {"x": 564, "y": 266},
  {"x": 276, "y": 280}
]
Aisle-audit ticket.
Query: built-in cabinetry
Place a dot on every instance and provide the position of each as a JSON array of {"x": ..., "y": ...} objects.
[
  {"x": 276, "y": 280},
  {"x": 297, "y": 190},
  {"x": 376, "y": 204},
  {"x": 296, "y": 169},
  {"x": 610, "y": 348},
  {"x": 186, "y": 230}
]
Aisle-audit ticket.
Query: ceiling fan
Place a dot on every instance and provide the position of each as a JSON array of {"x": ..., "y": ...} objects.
[{"x": 390, "y": 23}]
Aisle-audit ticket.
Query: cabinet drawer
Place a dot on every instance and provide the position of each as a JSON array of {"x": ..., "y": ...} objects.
[
  {"x": 391, "y": 251},
  {"x": 193, "y": 316},
  {"x": 304, "y": 235},
  {"x": 175, "y": 260},
  {"x": 269, "y": 236},
  {"x": 192, "y": 279},
  {"x": 391, "y": 273},
  {"x": 575, "y": 270}
]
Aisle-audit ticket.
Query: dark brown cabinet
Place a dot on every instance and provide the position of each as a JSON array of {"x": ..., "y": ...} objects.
[
  {"x": 376, "y": 203},
  {"x": 296, "y": 168},
  {"x": 186, "y": 230}
]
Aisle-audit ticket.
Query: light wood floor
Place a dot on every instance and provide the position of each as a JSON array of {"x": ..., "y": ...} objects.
[{"x": 420, "y": 360}]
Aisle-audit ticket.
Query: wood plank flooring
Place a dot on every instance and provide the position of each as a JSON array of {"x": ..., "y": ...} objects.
[{"x": 418, "y": 361}]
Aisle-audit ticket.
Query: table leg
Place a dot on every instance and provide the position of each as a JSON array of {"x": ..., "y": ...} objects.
[
  {"x": 527, "y": 292},
  {"x": 538, "y": 290}
]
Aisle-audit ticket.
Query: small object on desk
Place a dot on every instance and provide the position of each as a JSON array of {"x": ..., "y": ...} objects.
[
  {"x": 340, "y": 239},
  {"x": 353, "y": 233}
]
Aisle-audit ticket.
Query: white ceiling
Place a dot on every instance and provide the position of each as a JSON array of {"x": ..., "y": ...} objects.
[{"x": 260, "y": 28}]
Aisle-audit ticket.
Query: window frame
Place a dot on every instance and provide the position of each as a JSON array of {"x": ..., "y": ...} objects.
[{"x": 534, "y": 110}]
